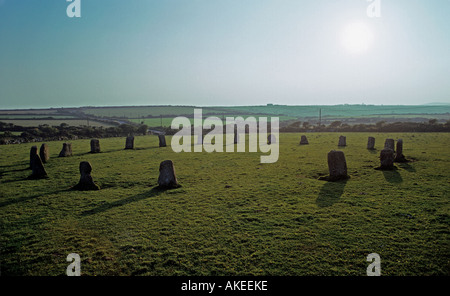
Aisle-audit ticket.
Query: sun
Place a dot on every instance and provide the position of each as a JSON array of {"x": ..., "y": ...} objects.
[{"x": 357, "y": 37}]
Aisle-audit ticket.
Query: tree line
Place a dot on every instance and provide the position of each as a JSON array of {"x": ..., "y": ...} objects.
[
  {"x": 64, "y": 131},
  {"x": 338, "y": 126}
]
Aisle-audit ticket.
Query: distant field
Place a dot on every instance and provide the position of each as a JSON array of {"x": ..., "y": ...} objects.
[
  {"x": 167, "y": 121},
  {"x": 55, "y": 122},
  {"x": 302, "y": 113},
  {"x": 292, "y": 111},
  {"x": 232, "y": 215},
  {"x": 401, "y": 117},
  {"x": 138, "y": 114},
  {"x": 28, "y": 116},
  {"x": 29, "y": 112},
  {"x": 344, "y": 110}
]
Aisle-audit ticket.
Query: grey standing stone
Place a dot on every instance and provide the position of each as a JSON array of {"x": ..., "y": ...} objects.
[
  {"x": 66, "y": 150},
  {"x": 86, "y": 182},
  {"x": 37, "y": 167},
  {"x": 399, "y": 157},
  {"x": 162, "y": 140},
  {"x": 337, "y": 166},
  {"x": 342, "y": 141},
  {"x": 129, "y": 142},
  {"x": 304, "y": 140},
  {"x": 389, "y": 143},
  {"x": 371, "y": 143},
  {"x": 386, "y": 159},
  {"x": 43, "y": 153},
  {"x": 33, "y": 151},
  {"x": 95, "y": 146},
  {"x": 167, "y": 177},
  {"x": 236, "y": 137}
]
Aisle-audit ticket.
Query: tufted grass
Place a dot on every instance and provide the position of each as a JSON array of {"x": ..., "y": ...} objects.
[{"x": 232, "y": 215}]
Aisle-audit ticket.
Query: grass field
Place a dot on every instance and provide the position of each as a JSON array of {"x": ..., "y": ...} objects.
[
  {"x": 167, "y": 121},
  {"x": 336, "y": 111},
  {"x": 232, "y": 215},
  {"x": 54, "y": 122}
]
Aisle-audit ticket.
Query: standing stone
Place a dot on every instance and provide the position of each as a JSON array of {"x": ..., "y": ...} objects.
[
  {"x": 399, "y": 157},
  {"x": 129, "y": 143},
  {"x": 162, "y": 140},
  {"x": 271, "y": 139},
  {"x": 337, "y": 166},
  {"x": 167, "y": 178},
  {"x": 95, "y": 146},
  {"x": 371, "y": 143},
  {"x": 33, "y": 151},
  {"x": 37, "y": 167},
  {"x": 66, "y": 150},
  {"x": 387, "y": 159},
  {"x": 342, "y": 141},
  {"x": 43, "y": 153},
  {"x": 304, "y": 140},
  {"x": 86, "y": 182},
  {"x": 389, "y": 143},
  {"x": 236, "y": 137}
]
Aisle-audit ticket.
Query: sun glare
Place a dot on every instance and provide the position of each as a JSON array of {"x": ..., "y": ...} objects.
[{"x": 356, "y": 37}]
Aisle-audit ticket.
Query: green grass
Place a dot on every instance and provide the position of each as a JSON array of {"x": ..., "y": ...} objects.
[
  {"x": 13, "y": 133},
  {"x": 136, "y": 112},
  {"x": 232, "y": 215},
  {"x": 167, "y": 121},
  {"x": 40, "y": 117},
  {"x": 310, "y": 111},
  {"x": 54, "y": 122}
]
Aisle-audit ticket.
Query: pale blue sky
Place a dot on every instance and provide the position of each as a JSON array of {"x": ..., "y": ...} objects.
[{"x": 221, "y": 52}]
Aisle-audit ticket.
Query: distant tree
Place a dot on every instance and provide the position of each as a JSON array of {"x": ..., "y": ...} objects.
[
  {"x": 7, "y": 134},
  {"x": 432, "y": 121},
  {"x": 26, "y": 135},
  {"x": 142, "y": 129},
  {"x": 380, "y": 124},
  {"x": 127, "y": 129},
  {"x": 336, "y": 123}
]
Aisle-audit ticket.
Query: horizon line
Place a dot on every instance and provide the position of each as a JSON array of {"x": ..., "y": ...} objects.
[{"x": 219, "y": 106}]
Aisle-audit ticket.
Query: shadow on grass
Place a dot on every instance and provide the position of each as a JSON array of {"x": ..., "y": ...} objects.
[
  {"x": 28, "y": 178},
  {"x": 155, "y": 191},
  {"x": 25, "y": 167},
  {"x": 392, "y": 176},
  {"x": 27, "y": 164},
  {"x": 116, "y": 150},
  {"x": 27, "y": 198},
  {"x": 330, "y": 193},
  {"x": 93, "y": 153},
  {"x": 406, "y": 167},
  {"x": 373, "y": 151},
  {"x": 145, "y": 148}
]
